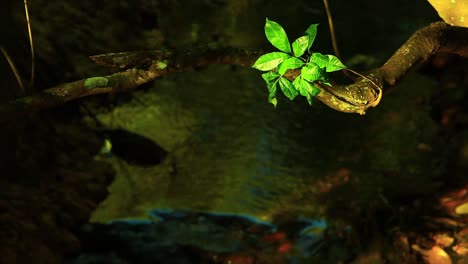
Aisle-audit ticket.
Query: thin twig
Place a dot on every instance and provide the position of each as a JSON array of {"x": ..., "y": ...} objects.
[
  {"x": 31, "y": 81},
  {"x": 15, "y": 71},
  {"x": 332, "y": 33},
  {"x": 332, "y": 29}
]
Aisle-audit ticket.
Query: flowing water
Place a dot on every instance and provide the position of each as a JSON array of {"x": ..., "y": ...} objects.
[{"x": 232, "y": 151}]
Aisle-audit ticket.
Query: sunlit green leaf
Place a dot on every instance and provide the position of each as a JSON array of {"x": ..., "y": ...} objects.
[
  {"x": 300, "y": 45},
  {"x": 314, "y": 90},
  {"x": 311, "y": 72},
  {"x": 305, "y": 88},
  {"x": 272, "y": 92},
  {"x": 311, "y": 32},
  {"x": 328, "y": 62},
  {"x": 272, "y": 89},
  {"x": 287, "y": 88},
  {"x": 273, "y": 101},
  {"x": 277, "y": 36},
  {"x": 298, "y": 84},
  {"x": 289, "y": 64},
  {"x": 270, "y": 76},
  {"x": 310, "y": 99},
  {"x": 319, "y": 59},
  {"x": 270, "y": 61},
  {"x": 327, "y": 82},
  {"x": 334, "y": 64}
]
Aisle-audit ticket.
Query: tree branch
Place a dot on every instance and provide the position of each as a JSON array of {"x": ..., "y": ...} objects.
[
  {"x": 146, "y": 66},
  {"x": 436, "y": 38}
]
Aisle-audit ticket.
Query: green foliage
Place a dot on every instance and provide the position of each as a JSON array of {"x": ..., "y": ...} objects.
[
  {"x": 277, "y": 36},
  {"x": 270, "y": 61},
  {"x": 328, "y": 62},
  {"x": 314, "y": 67},
  {"x": 287, "y": 88},
  {"x": 290, "y": 63},
  {"x": 300, "y": 45}
]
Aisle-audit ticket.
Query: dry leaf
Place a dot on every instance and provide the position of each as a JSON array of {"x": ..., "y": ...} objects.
[
  {"x": 443, "y": 240},
  {"x": 453, "y": 12},
  {"x": 435, "y": 255},
  {"x": 461, "y": 249},
  {"x": 462, "y": 209}
]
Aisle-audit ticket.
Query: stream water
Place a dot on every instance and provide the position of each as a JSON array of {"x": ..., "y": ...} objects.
[
  {"x": 232, "y": 151},
  {"x": 229, "y": 148}
]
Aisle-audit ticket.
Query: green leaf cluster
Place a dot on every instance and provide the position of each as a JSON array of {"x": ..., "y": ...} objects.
[{"x": 313, "y": 66}]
